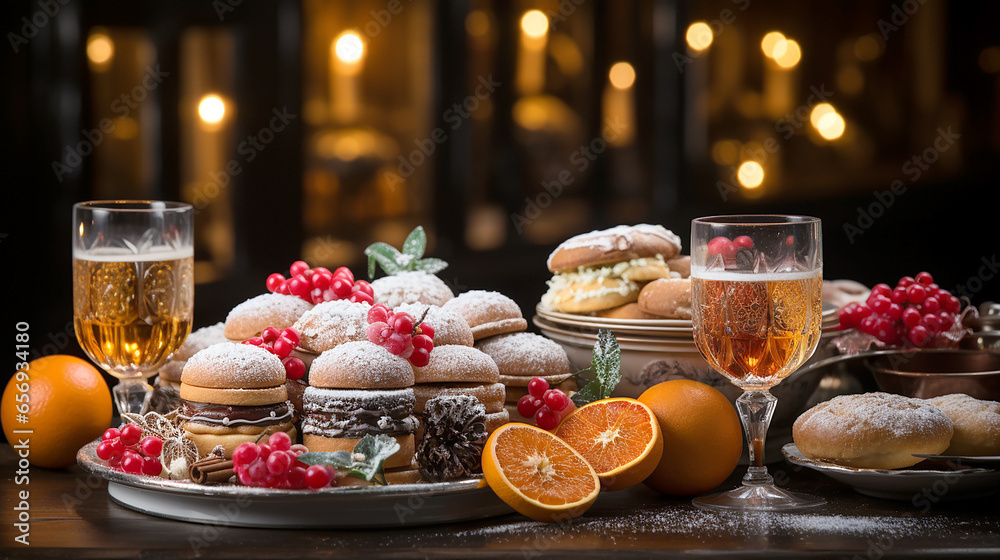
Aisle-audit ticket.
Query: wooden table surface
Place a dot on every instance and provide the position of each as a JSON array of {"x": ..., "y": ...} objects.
[{"x": 72, "y": 517}]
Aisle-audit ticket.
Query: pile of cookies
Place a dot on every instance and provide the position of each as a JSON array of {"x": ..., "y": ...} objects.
[
  {"x": 498, "y": 329},
  {"x": 625, "y": 272},
  {"x": 883, "y": 430},
  {"x": 230, "y": 393}
]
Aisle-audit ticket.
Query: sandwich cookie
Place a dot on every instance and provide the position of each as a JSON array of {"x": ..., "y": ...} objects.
[
  {"x": 668, "y": 298},
  {"x": 358, "y": 389},
  {"x": 280, "y": 311},
  {"x": 487, "y": 313},
  {"x": 461, "y": 371},
  {"x": 449, "y": 328},
  {"x": 411, "y": 287},
  {"x": 232, "y": 394},
  {"x": 519, "y": 358},
  {"x": 166, "y": 392}
]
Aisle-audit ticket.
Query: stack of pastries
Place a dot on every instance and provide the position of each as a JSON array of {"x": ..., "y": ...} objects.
[{"x": 625, "y": 272}]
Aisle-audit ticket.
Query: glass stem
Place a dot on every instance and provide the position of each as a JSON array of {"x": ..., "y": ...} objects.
[
  {"x": 756, "y": 409},
  {"x": 132, "y": 395}
]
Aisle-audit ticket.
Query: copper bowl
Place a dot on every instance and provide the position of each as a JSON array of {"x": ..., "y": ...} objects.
[{"x": 935, "y": 372}]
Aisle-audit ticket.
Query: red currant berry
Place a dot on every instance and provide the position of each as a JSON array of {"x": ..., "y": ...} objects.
[
  {"x": 537, "y": 387},
  {"x": 245, "y": 454},
  {"x": 882, "y": 290},
  {"x": 296, "y": 477},
  {"x": 278, "y": 463},
  {"x": 341, "y": 286},
  {"x": 425, "y": 328},
  {"x": 932, "y": 305},
  {"x": 905, "y": 282},
  {"x": 570, "y": 407},
  {"x": 932, "y": 323},
  {"x": 274, "y": 282},
  {"x": 952, "y": 304},
  {"x": 110, "y": 433},
  {"x": 104, "y": 450},
  {"x": 322, "y": 280},
  {"x": 115, "y": 462},
  {"x": 722, "y": 246},
  {"x": 130, "y": 435},
  {"x": 402, "y": 323},
  {"x": 868, "y": 324},
  {"x": 924, "y": 278},
  {"x": 420, "y": 357},
  {"x": 916, "y": 293},
  {"x": 283, "y": 288},
  {"x": 151, "y": 466},
  {"x": 790, "y": 240},
  {"x": 294, "y": 367},
  {"x": 374, "y": 333},
  {"x": 881, "y": 304},
  {"x": 270, "y": 334},
  {"x": 422, "y": 341},
  {"x": 546, "y": 418},
  {"x": 117, "y": 447},
  {"x": 743, "y": 241},
  {"x": 918, "y": 336},
  {"x": 899, "y": 295},
  {"x": 280, "y": 441},
  {"x": 526, "y": 406},
  {"x": 885, "y": 331},
  {"x": 151, "y": 446},
  {"x": 291, "y": 336},
  {"x": 299, "y": 449},
  {"x": 556, "y": 400},
  {"x": 316, "y": 296},
  {"x": 298, "y": 267},
  {"x": 848, "y": 316},
  {"x": 378, "y": 313},
  {"x": 299, "y": 286},
  {"x": 318, "y": 476},
  {"x": 132, "y": 464},
  {"x": 895, "y": 312},
  {"x": 911, "y": 317},
  {"x": 363, "y": 287},
  {"x": 254, "y": 341},
  {"x": 263, "y": 451},
  {"x": 396, "y": 343},
  {"x": 361, "y": 297},
  {"x": 282, "y": 348},
  {"x": 344, "y": 272}
]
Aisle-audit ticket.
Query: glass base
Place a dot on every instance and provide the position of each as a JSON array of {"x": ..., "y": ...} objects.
[
  {"x": 132, "y": 395},
  {"x": 758, "y": 497}
]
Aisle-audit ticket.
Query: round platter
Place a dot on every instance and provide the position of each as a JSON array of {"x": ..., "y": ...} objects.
[
  {"x": 911, "y": 485},
  {"x": 330, "y": 508}
]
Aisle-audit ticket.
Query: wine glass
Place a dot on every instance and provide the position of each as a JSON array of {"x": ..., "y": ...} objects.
[
  {"x": 133, "y": 289},
  {"x": 757, "y": 284}
]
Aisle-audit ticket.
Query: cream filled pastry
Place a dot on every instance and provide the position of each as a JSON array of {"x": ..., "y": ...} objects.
[{"x": 605, "y": 269}]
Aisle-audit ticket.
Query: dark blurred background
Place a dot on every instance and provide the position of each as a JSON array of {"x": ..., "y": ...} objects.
[{"x": 308, "y": 129}]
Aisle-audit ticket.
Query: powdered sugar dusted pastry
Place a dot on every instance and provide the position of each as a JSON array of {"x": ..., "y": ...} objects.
[
  {"x": 977, "y": 424},
  {"x": 604, "y": 269},
  {"x": 411, "y": 287},
  {"x": 668, "y": 298},
  {"x": 280, "y": 311},
  {"x": 872, "y": 431},
  {"x": 449, "y": 328},
  {"x": 331, "y": 324},
  {"x": 233, "y": 393},
  {"x": 488, "y": 313},
  {"x": 526, "y": 355}
]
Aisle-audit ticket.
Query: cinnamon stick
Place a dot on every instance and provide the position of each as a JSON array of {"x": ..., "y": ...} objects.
[{"x": 211, "y": 469}]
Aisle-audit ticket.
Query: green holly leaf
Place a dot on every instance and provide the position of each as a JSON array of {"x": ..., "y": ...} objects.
[
  {"x": 607, "y": 369},
  {"x": 365, "y": 462},
  {"x": 431, "y": 265},
  {"x": 415, "y": 244},
  {"x": 385, "y": 255}
]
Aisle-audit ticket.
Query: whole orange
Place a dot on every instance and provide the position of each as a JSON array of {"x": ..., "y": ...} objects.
[
  {"x": 702, "y": 437},
  {"x": 68, "y": 405}
]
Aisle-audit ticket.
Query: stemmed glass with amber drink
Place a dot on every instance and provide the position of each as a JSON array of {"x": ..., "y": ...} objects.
[
  {"x": 133, "y": 289},
  {"x": 757, "y": 284}
]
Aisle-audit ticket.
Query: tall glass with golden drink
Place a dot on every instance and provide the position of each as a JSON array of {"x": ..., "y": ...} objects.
[
  {"x": 757, "y": 284},
  {"x": 133, "y": 289}
]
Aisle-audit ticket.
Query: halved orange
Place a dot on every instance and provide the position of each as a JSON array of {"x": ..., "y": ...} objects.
[
  {"x": 619, "y": 437},
  {"x": 537, "y": 474}
]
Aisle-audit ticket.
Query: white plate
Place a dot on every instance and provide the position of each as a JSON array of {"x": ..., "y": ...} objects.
[
  {"x": 912, "y": 485},
  {"x": 331, "y": 508},
  {"x": 631, "y": 342}
]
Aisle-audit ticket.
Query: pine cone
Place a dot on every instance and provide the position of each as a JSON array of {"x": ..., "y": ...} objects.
[{"x": 454, "y": 436}]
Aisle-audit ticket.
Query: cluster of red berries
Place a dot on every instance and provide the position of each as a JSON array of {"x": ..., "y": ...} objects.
[
  {"x": 916, "y": 310},
  {"x": 400, "y": 334},
  {"x": 127, "y": 451},
  {"x": 281, "y": 343},
  {"x": 726, "y": 247},
  {"x": 547, "y": 406},
  {"x": 276, "y": 464},
  {"x": 317, "y": 285}
]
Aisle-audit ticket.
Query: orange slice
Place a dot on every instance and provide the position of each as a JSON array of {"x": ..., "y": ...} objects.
[
  {"x": 619, "y": 437},
  {"x": 537, "y": 474}
]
